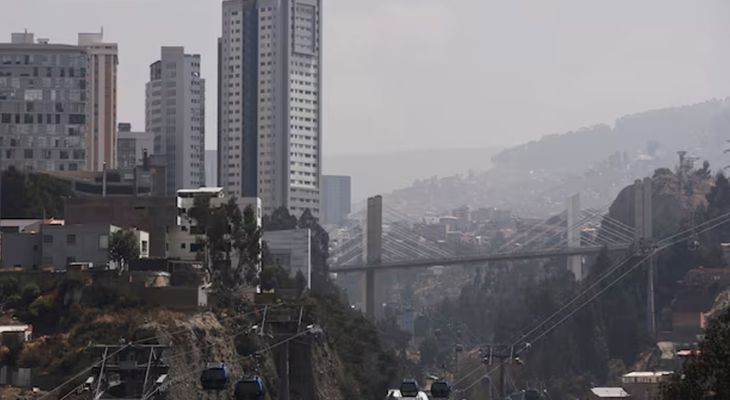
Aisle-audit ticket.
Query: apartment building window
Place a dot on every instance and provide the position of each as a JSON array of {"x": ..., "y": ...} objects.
[
  {"x": 71, "y": 239},
  {"x": 103, "y": 242},
  {"x": 47, "y": 239}
]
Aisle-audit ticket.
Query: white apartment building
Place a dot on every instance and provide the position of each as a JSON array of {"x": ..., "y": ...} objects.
[
  {"x": 269, "y": 139},
  {"x": 184, "y": 239},
  {"x": 175, "y": 114}
]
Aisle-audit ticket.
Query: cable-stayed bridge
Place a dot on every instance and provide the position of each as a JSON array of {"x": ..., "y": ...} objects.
[{"x": 388, "y": 239}]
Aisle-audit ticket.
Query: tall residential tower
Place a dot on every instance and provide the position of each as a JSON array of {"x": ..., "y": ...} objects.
[
  {"x": 269, "y": 102},
  {"x": 101, "y": 136},
  {"x": 175, "y": 114}
]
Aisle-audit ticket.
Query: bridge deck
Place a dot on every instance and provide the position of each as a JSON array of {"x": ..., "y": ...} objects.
[{"x": 471, "y": 259}]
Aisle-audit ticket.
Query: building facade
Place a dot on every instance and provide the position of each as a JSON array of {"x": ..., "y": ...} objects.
[
  {"x": 101, "y": 135},
  {"x": 645, "y": 385},
  {"x": 269, "y": 139},
  {"x": 336, "y": 199},
  {"x": 44, "y": 105},
  {"x": 292, "y": 250},
  {"x": 175, "y": 115},
  {"x": 132, "y": 147},
  {"x": 184, "y": 239},
  {"x": 147, "y": 213},
  {"x": 56, "y": 246},
  {"x": 211, "y": 168}
]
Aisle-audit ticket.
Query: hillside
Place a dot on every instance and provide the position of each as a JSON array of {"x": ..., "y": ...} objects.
[
  {"x": 701, "y": 129},
  {"x": 342, "y": 358},
  {"x": 535, "y": 178},
  {"x": 384, "y": 172}
]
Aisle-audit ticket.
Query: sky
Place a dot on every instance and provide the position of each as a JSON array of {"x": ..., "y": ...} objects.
[{"x": 430, "y": 74}]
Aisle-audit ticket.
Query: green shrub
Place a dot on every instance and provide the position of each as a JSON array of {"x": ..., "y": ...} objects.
[{"x": 30, "y": 292}]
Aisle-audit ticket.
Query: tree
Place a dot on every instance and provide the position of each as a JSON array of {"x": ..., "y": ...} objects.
[
  {"x": 229, "y": 236},
  {"x": 320, "y": 253},
  {"x": 281, "y": 219},
  {"x": 718, "y": 204},
  {"x": 707, "y": 375},
  {"x": 246, "y": 235},
  {"x": 429, "y": 350},
  {"x": 274, "y": 277},
  {"x": 123, "y": 247},
  {"x": 300, "y": 282},
  {"x": 33, "y": 195}
]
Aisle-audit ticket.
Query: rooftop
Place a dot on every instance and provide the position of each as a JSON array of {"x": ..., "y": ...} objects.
[
  {"x": 211, "y": 190},
  {"x": 609, "y": 392},
  {"x": 23, "y": 223},
  {"x": 646, "y": 374},
  {"x": 16, "y": 328}
]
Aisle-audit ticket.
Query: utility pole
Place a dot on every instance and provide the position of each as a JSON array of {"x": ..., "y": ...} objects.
[
  {"x": 103, "y": 181},
  {"x": 285, "y": 323},
  {"x": 120, "y": 369},
  {"x": 644, "y": 236},
  {"x": 651, "y": 307},
  {"x": 503, "y": 354}
]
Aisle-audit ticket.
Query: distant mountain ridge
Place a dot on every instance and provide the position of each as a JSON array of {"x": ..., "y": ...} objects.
[
  {"x": 535, "y": 178},
  {"x": 701, "y": 129},
  {"x": 374, "y": 174}
]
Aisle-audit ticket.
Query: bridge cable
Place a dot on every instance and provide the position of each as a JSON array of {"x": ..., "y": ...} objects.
[{"x": 663, "y": 244}]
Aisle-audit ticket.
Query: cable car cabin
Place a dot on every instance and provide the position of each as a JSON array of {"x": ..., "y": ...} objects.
[
  {"x": 440, "y": 390},
  {"x": 250, "y": 389},
  {"x": 409, "y": 388},
  {"x": 215, "y": 376}
]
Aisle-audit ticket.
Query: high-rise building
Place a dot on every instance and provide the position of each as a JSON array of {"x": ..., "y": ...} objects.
[
  {"x": 133, "y": 146},
  {"x": 211, "y": 168},
  {"x": 175, "y": 114},
  {"x": 269, "y": 101},
  {"x": 336, "y": 199},
  {"x": 101, "y": 136},
  {"x": 43, "y": 105}
]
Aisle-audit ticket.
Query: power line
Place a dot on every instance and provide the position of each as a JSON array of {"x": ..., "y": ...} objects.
[
  {"x": 251, "y": 355},
  {"x": 85, "y": 371},
  {"x": 665, "y": 244}
]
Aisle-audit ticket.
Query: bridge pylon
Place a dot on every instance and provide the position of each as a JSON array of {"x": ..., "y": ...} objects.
[
  {"x": 575, "y": 262},
  {"x": 373, "y": 250}
]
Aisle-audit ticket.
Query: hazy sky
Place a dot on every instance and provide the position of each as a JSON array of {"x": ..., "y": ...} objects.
[{"x": 424, "y": 74}]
